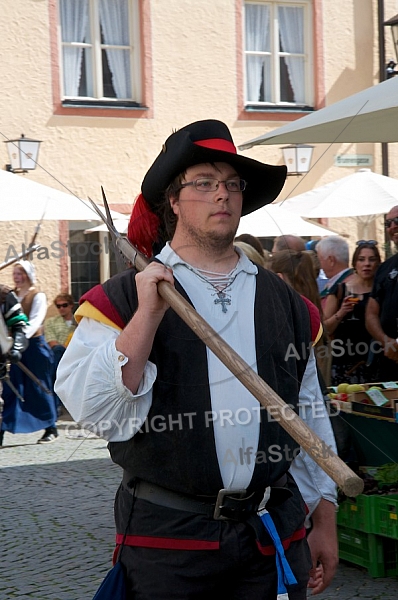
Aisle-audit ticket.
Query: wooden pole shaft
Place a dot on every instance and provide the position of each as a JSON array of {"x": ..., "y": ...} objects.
[{"x": 313, "y": 445}]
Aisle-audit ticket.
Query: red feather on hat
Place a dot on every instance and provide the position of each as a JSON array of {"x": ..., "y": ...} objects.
[{"x": 143, "y": 226}]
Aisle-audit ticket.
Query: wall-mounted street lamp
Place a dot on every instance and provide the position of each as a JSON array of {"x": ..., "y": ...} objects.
[
  {"x": 390, "y": 67},
  {"x": 297, "y": 158},
  {"x": 23, "y": 154}
]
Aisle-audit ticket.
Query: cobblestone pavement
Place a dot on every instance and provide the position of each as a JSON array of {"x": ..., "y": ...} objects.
[{"x": 56, "y": 519}]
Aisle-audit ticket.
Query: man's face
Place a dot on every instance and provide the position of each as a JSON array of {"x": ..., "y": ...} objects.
[
  {"x": 392, "y": 230},
  {"x": 208, "y": 218},
  {"x": 327, "y": 264},
  {"x": 64, "y": 308}
]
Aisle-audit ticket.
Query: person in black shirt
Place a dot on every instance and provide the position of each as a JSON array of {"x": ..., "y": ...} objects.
[
  {"x": 382, "y": 308},
  {"x": 345, "y": 319}
]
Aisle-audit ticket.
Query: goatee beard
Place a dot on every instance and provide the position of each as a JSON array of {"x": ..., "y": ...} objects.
[{"x": 211, "y": 241}]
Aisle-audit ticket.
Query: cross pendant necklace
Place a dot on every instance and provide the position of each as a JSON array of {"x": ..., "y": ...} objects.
[
  {"x": 218, "y": 282},
  {"x": 223, "y": 300}
]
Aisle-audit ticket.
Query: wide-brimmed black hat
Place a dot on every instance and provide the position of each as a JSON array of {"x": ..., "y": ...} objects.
[
  {"x": 210, "y": 141},
  {"x": 207, "y": 141}
]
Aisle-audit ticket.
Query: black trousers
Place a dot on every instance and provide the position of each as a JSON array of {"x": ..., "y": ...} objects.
[{"x": 237, "y": 570}]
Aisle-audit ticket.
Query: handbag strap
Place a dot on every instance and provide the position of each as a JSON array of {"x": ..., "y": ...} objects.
[{"x": 340, "y": 292}]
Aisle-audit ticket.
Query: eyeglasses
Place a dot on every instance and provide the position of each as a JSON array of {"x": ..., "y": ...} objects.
[
  {"x": 389, "y": 222},
  {"x": 62, "y": 305},
  {"x": 369, "y": 242},
  {"x": 208, "y": 184}
]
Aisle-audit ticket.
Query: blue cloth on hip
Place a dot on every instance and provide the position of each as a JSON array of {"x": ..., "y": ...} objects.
[{"x": 285, "y": 574}]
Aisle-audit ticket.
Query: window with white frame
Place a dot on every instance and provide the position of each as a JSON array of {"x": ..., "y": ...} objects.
[
  {"x": 100, "y": 51},
  {"x": 278, "y": 61}
]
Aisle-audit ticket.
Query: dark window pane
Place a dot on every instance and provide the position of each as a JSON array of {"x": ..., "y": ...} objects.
[
  {"x": 84, "y": 262},
  {"x": 109, "y": 91},
  {"x": 83, "y": 76},
  {"x": 287, "y": 94}
]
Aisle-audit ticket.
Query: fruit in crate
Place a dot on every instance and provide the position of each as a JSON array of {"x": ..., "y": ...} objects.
[
  {"x": 342, "y": 388},
  {"x": 375, "y": 387},
  {"x": 387, "y": 473},
  {"x": 355, "y": 387},
  {"x": 342, "y": 396}
]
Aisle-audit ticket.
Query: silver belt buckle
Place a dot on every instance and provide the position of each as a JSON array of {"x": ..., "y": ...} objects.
[{"x": 241, "y": 493}]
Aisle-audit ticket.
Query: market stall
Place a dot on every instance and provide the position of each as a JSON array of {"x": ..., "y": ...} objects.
[{"x": 368, "y": 524}]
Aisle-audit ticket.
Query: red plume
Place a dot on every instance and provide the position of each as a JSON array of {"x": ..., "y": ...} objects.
[{"x": 143, "y": 226}]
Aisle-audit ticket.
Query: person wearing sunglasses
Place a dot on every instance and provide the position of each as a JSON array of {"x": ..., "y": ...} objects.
[
  {"x": 58, "y": 332},
  {"x": 59, "y": 329},
  {"x": 382, "y": 308}
]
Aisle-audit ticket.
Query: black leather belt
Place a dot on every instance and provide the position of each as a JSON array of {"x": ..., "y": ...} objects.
[{"x": 230, "y": 504}]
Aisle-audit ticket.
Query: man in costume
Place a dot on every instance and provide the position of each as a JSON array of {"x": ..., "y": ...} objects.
[
  {"x": 382, "y": 307},
  {"x": 13, "y": 322},
  {"x": 200, "y": 457}
]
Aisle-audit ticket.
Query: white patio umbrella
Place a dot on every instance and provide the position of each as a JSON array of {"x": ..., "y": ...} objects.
[
  {"x": 274, "y": 220},
  {"x": 24, "y": 200},
  {"x": 363, "y": 195},
  {"x": 368, "y": 116}
]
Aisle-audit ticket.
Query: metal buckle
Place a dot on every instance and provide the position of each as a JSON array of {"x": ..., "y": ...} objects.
[{"x": 241, "y": 493}]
